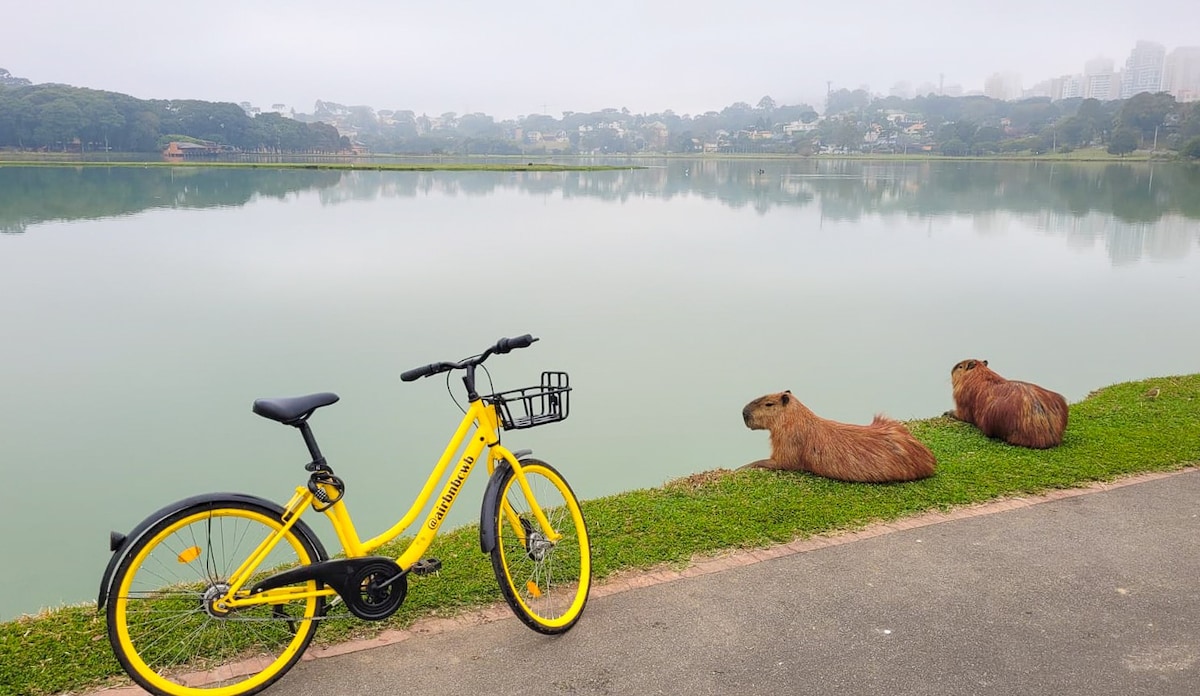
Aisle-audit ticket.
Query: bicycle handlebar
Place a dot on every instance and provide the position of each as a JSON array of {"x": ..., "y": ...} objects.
[
  {"x": 426, "y": 371},
  {"x": 502, "y": 346}
]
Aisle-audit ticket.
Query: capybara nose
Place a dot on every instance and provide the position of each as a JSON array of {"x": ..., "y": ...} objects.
[{"x": 746, "y": 416}]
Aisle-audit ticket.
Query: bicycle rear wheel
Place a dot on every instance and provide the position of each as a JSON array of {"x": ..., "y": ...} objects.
[
  {"x": 545, "y": 583},
  {"x": 163, "y": 622}
]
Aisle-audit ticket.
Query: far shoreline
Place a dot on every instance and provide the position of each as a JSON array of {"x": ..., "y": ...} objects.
[{"x": 544, "y": 162}]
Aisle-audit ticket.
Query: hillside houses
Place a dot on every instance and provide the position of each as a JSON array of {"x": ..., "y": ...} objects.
[{"x": 970, "y": 125}]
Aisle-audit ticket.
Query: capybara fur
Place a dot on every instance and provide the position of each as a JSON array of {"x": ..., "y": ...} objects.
[
  {"x": 1019, "y": 413},
  {"x": 803, "y": 441}
]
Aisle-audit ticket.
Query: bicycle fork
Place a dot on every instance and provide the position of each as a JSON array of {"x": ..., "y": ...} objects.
[{"x": 519, "y": 526}]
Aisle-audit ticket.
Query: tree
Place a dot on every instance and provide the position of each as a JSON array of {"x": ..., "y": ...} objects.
[
  {"x": 848, "y": 135},
  {"x": 1145, "y": 112},
  {"x": 479, "y": 125},
  {"x": 60, "y": 121},
  {"x": 18, "y": 117},
  {"x": 1191, "y": 149},
  {"x": 845, "y": 100},
  {"x": 684, "y": 142},
  {"x": 766, "y": 104},
  {"x": 954, "y": 148},
  {"x": 1033, "y": 115},
  {"x": 988, "y": 134},
  {"x": 1189, "y": 121},
  {"x": 144, "y": 131},
  {"x": 1123, "y": 142},
  {"x": 1076, "y": 131},
  {"x": 1095, "y": 120},
  {"x": 6, "y": 79},
  {"x": 102, "y": 118}
]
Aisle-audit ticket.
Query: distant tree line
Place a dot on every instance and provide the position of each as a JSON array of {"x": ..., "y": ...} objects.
[
  {"x": 60, "y": 118},
  {"x": 979, "y": 125},
  {"x": 607, "y": 131},
  {"x": 853, "y": 122}
]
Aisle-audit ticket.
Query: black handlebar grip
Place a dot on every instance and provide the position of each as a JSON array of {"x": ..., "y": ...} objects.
[
  {"x": 419, "y": 372},
  {"x": 506, "y": 344}
]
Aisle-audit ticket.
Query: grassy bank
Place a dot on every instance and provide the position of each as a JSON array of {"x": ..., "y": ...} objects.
[
  {"x": 1081, "y": 155},
  {"x": 512, "y": 163},
  {"x": 358, "y": 165},
  {"x": 1116, "y": 431}
]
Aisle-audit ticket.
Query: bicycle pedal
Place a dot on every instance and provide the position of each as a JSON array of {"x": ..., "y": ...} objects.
[{"x": 425, "y": 566}]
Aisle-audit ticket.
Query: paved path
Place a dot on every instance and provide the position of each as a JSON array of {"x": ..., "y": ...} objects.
[{"x": 1090, "y": 595}]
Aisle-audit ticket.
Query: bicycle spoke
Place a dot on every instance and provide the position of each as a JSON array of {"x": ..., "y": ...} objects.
[{"x": 165, "y": 621}]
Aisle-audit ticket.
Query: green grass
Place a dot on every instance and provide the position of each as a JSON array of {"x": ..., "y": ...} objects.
[
  {"x": 1115, "y": 432},
  {"x": 362, "y": 165}
]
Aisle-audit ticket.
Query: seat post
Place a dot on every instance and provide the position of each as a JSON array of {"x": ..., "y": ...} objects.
[{"x": 318, "y": 461}]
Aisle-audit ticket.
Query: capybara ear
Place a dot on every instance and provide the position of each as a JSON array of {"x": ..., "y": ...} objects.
[
  {"x": 784, "y": 399},
  {"x": 970, "y": 364},
  {"x": 985, "y": 363}
]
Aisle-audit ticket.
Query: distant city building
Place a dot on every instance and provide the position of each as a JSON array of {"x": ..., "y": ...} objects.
[
  {"x": 1143, "y": 70},
  {"x": 1003, "y": 86},
  {"x": 1181, "y": 73},
  {"x": 927, "y": 88},
  {"x": 901, "y": 89},
  {"x": 1072, "y": 87},
  {"x": 1051, "y": 88},
  {"x": 1099, "y": 80}
]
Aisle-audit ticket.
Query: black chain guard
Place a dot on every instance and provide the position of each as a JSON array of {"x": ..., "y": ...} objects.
[{"x": 373, "y": 588}]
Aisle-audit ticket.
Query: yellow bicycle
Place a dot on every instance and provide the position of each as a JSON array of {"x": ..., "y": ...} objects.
[{"x": 220, "y": 594}]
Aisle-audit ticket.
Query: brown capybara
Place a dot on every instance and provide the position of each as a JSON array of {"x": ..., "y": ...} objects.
[
  {"x": 803, "y": 441},
  {"x": 1019, "y": 413}
]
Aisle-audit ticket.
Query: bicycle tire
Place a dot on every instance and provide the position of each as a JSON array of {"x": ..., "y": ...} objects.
[
  {"x": 545, "y": 584},
  {"x": 158, "y": 624}
]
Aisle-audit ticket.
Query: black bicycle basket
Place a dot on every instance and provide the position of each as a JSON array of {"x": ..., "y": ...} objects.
[{"x": 524, "y": 408}]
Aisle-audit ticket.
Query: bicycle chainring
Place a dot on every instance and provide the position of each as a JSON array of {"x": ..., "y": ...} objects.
[{"x": 375, "y": 590}]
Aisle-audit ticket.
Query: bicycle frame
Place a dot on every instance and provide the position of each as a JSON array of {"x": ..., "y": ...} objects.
[{"x": 480, "y": 423}]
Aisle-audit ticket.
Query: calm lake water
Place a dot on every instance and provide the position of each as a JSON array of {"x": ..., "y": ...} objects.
[{"x": 145, "y": 309}]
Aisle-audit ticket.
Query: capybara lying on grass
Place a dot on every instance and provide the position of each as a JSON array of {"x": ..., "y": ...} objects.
[
  {"x": 802, "y": 441},
  {"x": 1019, "y": 413}
]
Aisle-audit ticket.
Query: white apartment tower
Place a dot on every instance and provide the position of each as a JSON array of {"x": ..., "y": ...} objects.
[
  {"x": 1143, "y": 69},
  {"x": 1072, "y": 87},
  {"x": 1003, "y": 86},
  {"x": 1181, "y": 73},
  {"x": 1099, "y": 81}
]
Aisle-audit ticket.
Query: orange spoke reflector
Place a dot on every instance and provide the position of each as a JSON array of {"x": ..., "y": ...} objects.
[
  {"x": 534, "y": 591},
  {"x": 189, "y": 555}
]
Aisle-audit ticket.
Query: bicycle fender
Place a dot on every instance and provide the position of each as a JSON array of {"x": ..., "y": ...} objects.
[
  {"x": 487, "y": 515},
  {"x": 121, "y": 546}
]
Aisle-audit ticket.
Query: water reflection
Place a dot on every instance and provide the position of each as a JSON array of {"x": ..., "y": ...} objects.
[
  {"x": 845, "y": 190},
  {"x": 1135, "y": 210},
  {"x": 33, "y": 195}
]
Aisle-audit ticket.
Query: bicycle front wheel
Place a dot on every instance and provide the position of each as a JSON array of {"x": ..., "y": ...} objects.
[
  {"x": 165, "y": 625},
  {"x": 545, "y": 582}
]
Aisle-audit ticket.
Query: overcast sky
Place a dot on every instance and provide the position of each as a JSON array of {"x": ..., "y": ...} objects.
[{"x": 532, "y": 56}]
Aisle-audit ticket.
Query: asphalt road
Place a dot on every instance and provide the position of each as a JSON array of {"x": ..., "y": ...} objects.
[{"x": 1089, "y": 595}]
